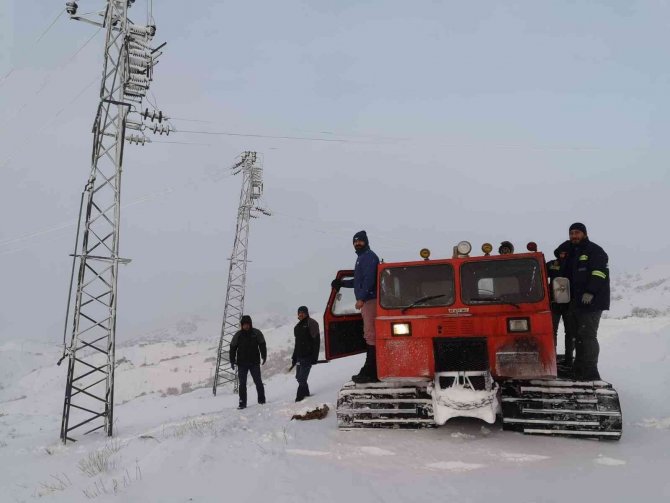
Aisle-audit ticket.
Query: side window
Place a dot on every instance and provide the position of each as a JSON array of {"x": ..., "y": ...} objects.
[
  {"x": 499, "y": 281},
  {"x": 345, "y": 301},
  {"x": 485, "y": 287}
]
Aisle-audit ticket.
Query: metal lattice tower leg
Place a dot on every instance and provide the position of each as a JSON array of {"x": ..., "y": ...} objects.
[
  {"x": 252, "y": 190},
  {"x": 127, "y": 68}
]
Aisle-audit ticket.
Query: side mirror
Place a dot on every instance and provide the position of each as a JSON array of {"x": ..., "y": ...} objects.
[{"x": 561, "y": 290}]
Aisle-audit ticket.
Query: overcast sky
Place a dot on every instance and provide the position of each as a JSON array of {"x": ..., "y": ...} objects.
[{"x": 482, "y": 121}]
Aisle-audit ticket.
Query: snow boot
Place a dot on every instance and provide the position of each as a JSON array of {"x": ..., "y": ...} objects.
[
  {"x": 303, "y": 392},
  {"x": 369, "y": 371},
  {"x": 241, "y": 406}
]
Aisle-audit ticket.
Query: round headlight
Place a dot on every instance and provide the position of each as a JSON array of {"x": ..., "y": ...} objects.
[
  {"x": 463, "y": 247},
  {"x": 487, "y": 248},
  {"x": 424, "y": 253}
]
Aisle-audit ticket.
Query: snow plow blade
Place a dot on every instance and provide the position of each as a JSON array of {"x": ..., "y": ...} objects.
[
  {"x": 562, "y": 407},
  {"x": 385, "y": 405}
]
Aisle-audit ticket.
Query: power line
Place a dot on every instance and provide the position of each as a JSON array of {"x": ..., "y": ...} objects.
[
  {"x": 183, "y": 143},
  {"x": 29, "y": 138},
  {"x": 49, "y": 76},
  {"x": 277, "y": 137},
  {"x": 61, "y": 11},
  {"x": 359, "y": 135}
]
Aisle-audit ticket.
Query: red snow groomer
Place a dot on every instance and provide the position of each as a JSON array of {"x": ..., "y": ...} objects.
[{"x": 465, "y": 337}]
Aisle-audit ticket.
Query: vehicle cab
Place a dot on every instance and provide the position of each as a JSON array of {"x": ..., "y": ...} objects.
[{"x": 462, "y": 313}]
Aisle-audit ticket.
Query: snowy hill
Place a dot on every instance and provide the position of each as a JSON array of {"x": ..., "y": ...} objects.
[
  {"x": 174, "y": 441},
  {"x": 642, "y": 295}
]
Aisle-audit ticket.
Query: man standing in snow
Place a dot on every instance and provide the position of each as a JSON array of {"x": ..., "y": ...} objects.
[
  {"x": 365, "y": 290},
  {"x": 247, "y": 349},
  {"x": 559, "y": 311},
  {"x": 588, "y": 271},
  {"x": 305, "y": 351}
]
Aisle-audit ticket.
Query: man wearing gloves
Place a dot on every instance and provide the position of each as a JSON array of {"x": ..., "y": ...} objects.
[
  {"x": 365, "y": 290},
  {"x": 587, "y": 269},
  {"x": 247, "y": 350},
  {"x": 305, "y": 351}
]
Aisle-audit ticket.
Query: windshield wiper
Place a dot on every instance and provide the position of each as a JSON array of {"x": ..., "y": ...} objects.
[
  {"x": 495, "y": 299},
  {"x": 422, "y": 299}
]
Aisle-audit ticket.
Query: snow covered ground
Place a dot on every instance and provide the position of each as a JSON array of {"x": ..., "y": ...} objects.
[{"x": 175, "y": 442}]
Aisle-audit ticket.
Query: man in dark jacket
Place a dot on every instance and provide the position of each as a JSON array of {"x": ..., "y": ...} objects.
[
  {"x": 305, "y": 351},
  {"x": 559, "y": 311},
  {"x": 247, "y": 349},
  {"x": 587, "y": 269},
  {"x": 365, "y": 290}
]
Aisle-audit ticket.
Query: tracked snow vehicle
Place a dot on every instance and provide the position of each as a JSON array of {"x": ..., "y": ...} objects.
[{"x": 468, "y": 336}]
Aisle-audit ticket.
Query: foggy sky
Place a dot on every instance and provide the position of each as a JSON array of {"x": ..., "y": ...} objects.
[{"x": 482, "y": 121}]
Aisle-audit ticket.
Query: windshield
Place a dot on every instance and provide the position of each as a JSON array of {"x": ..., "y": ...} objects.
[
  {"x": 501, "y": 282},
  {"x": 417, "y": 286}
]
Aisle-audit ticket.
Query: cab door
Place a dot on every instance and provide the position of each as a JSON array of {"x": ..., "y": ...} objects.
[{"x": 343, "y": 323}]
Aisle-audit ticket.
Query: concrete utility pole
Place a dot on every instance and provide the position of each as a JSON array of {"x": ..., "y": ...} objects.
[
  {"x": 252, "y": 190},
  {"x": 127, "y": 72}
]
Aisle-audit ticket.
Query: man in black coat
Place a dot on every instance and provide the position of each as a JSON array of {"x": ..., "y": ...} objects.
[
  {"x": 247, "y": 349},
  {"x": 587, "y": 268},
  {"x": 558, "y": 311},
  {"x": 305, "y": 351}
]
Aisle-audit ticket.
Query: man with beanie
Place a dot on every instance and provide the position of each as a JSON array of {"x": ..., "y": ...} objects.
[
  {"x": 305, "y": 351},
  {"x": 365, "y": 290},
  {"x": 587, "y": 268},
  {"x": 558, "y": 311},
  {"x": 247, "y": 349}
]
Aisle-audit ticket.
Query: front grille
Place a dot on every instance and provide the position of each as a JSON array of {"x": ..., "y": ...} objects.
[
  {"x": 478, "y": 382},
  {"x": 460, "y": 353}
]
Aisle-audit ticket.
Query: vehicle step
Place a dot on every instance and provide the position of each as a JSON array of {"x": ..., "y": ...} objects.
[
  {"x": 396, "y": 421},
  {"x": 351, "y": 412},
  {"x": 548, "y": 400},
  {"x": 572, "y": 411},
  {"x": 581, "y": 433},
  {"x": 562, "y": 383},
  {"x": 392, "y": 400},
  {"x": 378, "y": 391},
  {"x": 557, "y": 390},
  {"x": 513, "y": 420}
]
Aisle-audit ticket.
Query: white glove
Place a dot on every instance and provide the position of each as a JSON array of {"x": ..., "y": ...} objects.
[{"x": 587, "y": 298}]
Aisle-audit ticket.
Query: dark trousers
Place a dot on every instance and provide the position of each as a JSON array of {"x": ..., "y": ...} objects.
[
  {"x": 255, "y": 370},
  {"x": 302, "y": 368},
  {"x": 559, "y": 311},
  {"x": 584, "y": 326}
]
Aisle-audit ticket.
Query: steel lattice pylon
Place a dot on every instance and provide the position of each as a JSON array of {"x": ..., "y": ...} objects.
[
  {"x": 252, "y": 190},
  {"x": 127, "y": 69}
]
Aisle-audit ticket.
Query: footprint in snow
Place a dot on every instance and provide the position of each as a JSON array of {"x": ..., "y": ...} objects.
[
  {"x": 304, "y": 452},
  {"x": 376, "y": 451},
  {"x": 603, "y": 460},
  {"x": 522, "y": 458},
  {"x": 454, "y": 466},
  {"x": 660, "y": 424},
  {"x": 458, "y": 434}
]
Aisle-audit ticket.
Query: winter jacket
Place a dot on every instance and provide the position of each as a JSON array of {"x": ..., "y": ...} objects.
[
  {"x": 587, "y": 268},
  {"x": 248, "y": 347},
  {"x": 365, "y": 275},
  {"x": 307, "y": 340}
]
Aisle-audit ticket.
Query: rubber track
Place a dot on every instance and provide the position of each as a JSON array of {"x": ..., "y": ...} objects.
[
  {"x": 385, "y": 405},
  {"x": 562, "y": 407}
]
